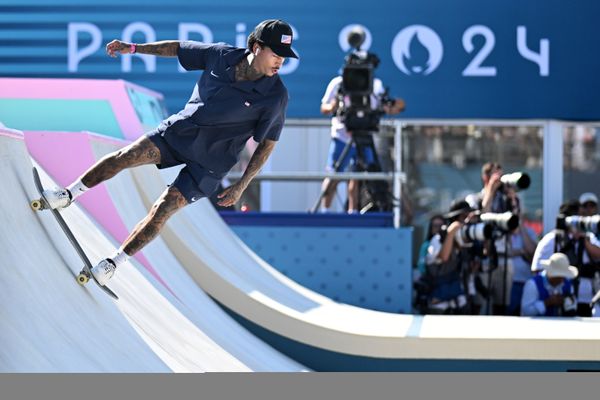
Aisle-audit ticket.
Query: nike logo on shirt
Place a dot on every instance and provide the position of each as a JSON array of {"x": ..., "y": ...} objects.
[{"x": 213, "y": 74}]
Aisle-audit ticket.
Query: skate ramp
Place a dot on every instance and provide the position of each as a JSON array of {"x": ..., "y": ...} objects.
[
  {"x": 327, "y": 335},
  {"x": 311, "y": 328},
  {"x": 51, "y": 324}
]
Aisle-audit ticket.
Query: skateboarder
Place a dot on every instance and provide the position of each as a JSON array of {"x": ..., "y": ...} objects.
[{"x": 239, "y": 96}]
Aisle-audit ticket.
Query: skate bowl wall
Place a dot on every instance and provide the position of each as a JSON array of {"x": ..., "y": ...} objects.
[
  {"x": 368, "y": 267},
  {"x": 113, "y": 108},
  {"x": 51, "y": 324}
]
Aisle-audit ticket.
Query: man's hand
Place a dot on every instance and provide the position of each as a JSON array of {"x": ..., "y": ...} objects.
[
  {"x": 577, "y": 234},
  {"x": 494, "y": 182},
  {"x": 554, "y": 300},
  {"x": 329, "y": 108},
  {"x": 396, "y": 107},
  {"x": 117, "y": 46},
  {"x": 231, "y": 194},
  {"x": 454, "y": 227}
]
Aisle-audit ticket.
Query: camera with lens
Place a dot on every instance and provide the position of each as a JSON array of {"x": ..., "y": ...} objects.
[
  {"x": 476, "y": 232},
  {"x": 355, "y": 109},
  {"x": 491, "y": 225},
  {"x": 579, "y": 223},
  {"x": 517, "y": 180},
  {"x": 503, "y": 222}
]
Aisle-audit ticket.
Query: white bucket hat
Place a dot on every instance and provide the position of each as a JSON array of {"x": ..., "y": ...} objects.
[{"x": 558, "y": 266}]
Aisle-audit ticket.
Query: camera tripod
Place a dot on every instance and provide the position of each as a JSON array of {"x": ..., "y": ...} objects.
[
  {"x": 379, "y": 196},
  {"x": 493, "y": 267}
]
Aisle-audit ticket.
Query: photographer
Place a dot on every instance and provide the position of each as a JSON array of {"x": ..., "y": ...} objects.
[
  {"x": 588, "y": 204},
  {"x": 444, "y": 264},
  {"x": 582, "y": 249},
  {"x": 341, "y": 137},
  {"x": 551, "y": 292},
  {"x": 498, "y": 196},
  {"x": 523, "y": 242},
  {"x": 494, "y": 196},
  {"x": 347, "y": 97}
]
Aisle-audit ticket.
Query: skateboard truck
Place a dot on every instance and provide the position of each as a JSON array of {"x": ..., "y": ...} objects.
[
  {"x": 38, "y": 205},
  {"x": 83, "y": 277}
]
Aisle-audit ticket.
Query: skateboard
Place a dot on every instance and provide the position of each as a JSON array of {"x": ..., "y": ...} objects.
[{"x": 86, "y": 273}]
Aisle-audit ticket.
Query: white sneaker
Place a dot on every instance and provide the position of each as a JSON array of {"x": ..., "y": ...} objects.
[
  {"x": 58, "y": 198},
  {"x": 104, "y": 271}
]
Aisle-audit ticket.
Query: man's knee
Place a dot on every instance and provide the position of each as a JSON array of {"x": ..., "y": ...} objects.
[
  {"x": 170, "y": 202},
  {"x": 143, "y": 151}
]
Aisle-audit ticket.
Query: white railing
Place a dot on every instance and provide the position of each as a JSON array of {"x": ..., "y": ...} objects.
[{"x": 552, "y": 158}]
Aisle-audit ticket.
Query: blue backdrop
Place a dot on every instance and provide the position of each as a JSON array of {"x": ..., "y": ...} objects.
[{"x": 446, "y": 58}]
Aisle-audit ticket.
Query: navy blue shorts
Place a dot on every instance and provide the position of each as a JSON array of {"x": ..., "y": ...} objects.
[{"x": 193, "y": 181}]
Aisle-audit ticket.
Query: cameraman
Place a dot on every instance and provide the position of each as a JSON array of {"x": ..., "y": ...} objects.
[
  {"x": 523, "y": 242},
  {"x": 444, "y": 265},
  {"x": 551, "y": 292},
  {"x": 497, "y": 269},
  {"x": 582, "y": 250},
  {"x": 588, "y": 204},
  {"x": 340, "y": 138},
  {"x": 494, "y": 197}
]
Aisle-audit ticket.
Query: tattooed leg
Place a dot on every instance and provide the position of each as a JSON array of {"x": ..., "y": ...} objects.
[
  {"x": 140, "y": 152},
  {"x": 147, "y": 229}
]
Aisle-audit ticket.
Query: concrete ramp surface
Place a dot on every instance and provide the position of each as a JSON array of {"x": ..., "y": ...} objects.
[{"x": 51, "y": 324}]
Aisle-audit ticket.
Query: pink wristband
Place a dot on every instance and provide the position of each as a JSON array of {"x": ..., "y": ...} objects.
[{"x": 132, "y": 48}]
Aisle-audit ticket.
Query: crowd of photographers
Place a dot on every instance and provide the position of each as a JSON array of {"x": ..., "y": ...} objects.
[{"x": 479, "y": 258}]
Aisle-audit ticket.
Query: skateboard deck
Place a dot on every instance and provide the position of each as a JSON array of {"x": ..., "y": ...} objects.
[{"x": 86, "y": 273}]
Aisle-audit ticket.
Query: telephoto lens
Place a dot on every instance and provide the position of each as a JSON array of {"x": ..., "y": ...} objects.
[
  {"x": 474, "y": 233},
  {"x": 516, "y": 180},
  {"x": 506, "y": 221},
  {"x": 584, "y": 224}
]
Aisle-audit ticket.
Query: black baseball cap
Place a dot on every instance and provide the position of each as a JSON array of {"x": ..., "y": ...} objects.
[
  {"x": 458, "y": 207},
  {"x": 277, "y": 35}
]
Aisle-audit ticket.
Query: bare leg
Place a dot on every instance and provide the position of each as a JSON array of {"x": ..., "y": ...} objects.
[
  {"x": 170, "y": 201},
  {"x": 329, "y": 187},
  {"x": 353, "y": 195},
  {"x": 140, "y": 152}
]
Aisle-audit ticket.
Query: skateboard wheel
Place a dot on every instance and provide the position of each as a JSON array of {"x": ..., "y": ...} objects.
[
  {"x": 36, "y": 205},
  {"x": 82, "y": 279}
]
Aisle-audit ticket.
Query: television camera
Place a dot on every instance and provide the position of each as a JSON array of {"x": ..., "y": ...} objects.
[{"x": 357, "y": 108}]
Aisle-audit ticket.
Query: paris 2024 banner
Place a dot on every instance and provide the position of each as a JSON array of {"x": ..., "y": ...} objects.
[{"x": 509, "y": 59}]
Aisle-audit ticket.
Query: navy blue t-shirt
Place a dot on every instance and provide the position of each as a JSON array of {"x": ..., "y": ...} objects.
[{"x": 223, "y": 114}]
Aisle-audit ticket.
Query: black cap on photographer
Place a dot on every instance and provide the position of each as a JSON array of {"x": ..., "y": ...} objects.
[
  {"x": 277, "y": 35},
  {"x": 569, "y": 208},
  {"x": 458, "y": 207}
]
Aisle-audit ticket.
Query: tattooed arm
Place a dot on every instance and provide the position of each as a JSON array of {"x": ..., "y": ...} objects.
[
  {"x": 165, "y": 48},
  {"x": 232, "y": 194}
]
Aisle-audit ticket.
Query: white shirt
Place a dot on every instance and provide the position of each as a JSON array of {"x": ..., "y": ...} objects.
[
  {"x": 433, "y": 250},
  {"x": 338, "y": 130},
  {"x": 531, "y": 304}
]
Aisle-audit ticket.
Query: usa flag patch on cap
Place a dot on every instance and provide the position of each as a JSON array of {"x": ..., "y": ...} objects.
[{"x": 286, "y": 39}]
